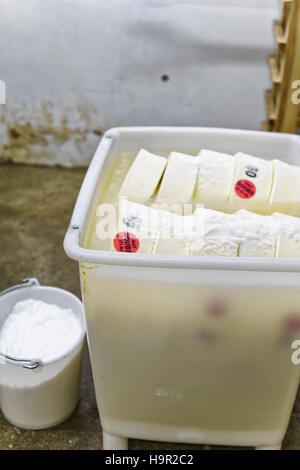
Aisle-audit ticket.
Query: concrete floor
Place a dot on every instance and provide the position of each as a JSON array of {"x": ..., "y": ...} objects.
[{"x": 35, "y": 207}]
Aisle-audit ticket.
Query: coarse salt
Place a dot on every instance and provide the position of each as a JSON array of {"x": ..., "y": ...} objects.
[{"x": 36, "y": 329}]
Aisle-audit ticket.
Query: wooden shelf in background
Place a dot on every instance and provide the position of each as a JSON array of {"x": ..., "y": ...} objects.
[
  {"x": 283, "y": 114},
  {"x": 275, "y": 72},
  {"x": 271, "y": 105},
  {"x": 281, "y": 35},
  {"x": 286, "y": 9}
]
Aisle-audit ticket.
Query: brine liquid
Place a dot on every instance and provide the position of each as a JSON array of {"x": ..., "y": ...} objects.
[{"x": 109, "y": 194}]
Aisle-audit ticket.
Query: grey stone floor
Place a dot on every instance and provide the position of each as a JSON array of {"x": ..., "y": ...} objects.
[{"x": 35, "y": 207}]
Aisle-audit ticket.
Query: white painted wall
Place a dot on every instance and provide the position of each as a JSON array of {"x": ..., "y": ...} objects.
[{"x": 74, "y": 68}]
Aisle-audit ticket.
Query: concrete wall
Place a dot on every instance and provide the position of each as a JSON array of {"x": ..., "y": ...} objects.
[{"x": 74, "y": 68}]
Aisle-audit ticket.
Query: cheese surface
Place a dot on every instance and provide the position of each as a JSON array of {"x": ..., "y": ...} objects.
[
  {"x": 143, "y": 177},
  {"x": 140, "y": 220},
  {"x": 257, "y": 234},
  {"x": 285, "y": 195},
  {"x": 176, "y": 234},
  {"x": 252, "y": 183},
  {"x": 215, "y": 178},
  {"x": 287, "y": 247},
  {"x": 214, "y": 235},
  {"x": 215, "y": 247},
  {"x": 179, "y": 180}
]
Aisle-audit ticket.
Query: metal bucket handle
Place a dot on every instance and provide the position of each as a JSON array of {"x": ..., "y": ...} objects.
[{"x": 25, "y": 363}]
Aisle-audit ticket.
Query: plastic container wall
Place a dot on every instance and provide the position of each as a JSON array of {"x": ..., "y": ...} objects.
[
  {"x": 192, "y": 356},
  {"x": 189, "y": 349}
]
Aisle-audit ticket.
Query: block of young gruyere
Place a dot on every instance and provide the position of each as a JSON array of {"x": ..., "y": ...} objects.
[
  {"x": 215, "y": 247},
  {"x": 213, "y": 234},
  {"x": 288, "y": 236},
  {"x": 215, "y": 178},
  {"x": 143, "y": 177},
  {"x": 173, "y": 246},
  {"x": 179, "y": 180},
  {"x": 257, "y": 248},
  {"x": 257, "y": 234},
  {"x": 287, "y": 247},
  {"x": 252, "y": 183},
  {"x": 140, "y": 221},
  {"x": 176, "y": 234},
  {"x": 285, "y": 194}
]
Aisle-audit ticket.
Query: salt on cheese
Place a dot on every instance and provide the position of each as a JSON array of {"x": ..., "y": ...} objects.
[
  {"x": 213, "y": 234},
  {"x": 176, "y": 234},
  {"x": 256, "y": 233},
  {"x": 288, "y": 240},
  {"x": 215, "y": 177}
]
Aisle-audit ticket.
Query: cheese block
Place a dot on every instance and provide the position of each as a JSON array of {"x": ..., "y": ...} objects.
[
  {"x": 172, "y": 246},
  {"x": 287, "y": 247},
  {"x": 285, "y": 194},
  {"x": 179, "y": 180},
  {"x": 215, "y": 178},
  {"x": 176, "y": 234},
  {"x": 143, "y": 177},
  {"x": 288, "y": 238},
  {"x": 257, "y": 248},
  {"x": 257, "y": 234},
  {"x": 213, "y": 235},
  {"x": 252, "y": 183},
  {"x": 287, "y": 224},
  {"x": 215, "y": 247},
  {"x": 141, "y": 221}
]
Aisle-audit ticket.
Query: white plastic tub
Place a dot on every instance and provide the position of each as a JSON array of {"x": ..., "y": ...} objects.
[
  {"x": 165, "y": 365},
  {"x": 36, "y": 394}
]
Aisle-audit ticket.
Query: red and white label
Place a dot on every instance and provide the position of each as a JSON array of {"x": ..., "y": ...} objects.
[
  {"x": 126, "y": 242},
  {"x": 245, "y": 189}
]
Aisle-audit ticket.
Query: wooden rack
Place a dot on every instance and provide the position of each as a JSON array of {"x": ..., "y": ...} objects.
[{"x": 283, "y": 114}]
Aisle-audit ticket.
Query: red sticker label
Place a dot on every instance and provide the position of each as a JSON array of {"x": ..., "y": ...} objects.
[
  {"x": 245, "y": 189},
  {"x": 126, "y": 242},
  {"x": 216, "y": 308},
  {"x": 292, "y": 323}
]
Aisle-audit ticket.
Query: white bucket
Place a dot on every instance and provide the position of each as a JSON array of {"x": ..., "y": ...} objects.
[
  {"x": 36, "y": 394},
  {"x": 164, "y": 368}
]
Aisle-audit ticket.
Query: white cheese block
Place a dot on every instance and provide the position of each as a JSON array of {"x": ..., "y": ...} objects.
[
  {"x": 288, "y": 238},
  {"x": 215, "y": 247},
  {"x": 171, "y": 247},
  {"x": 252, "y": 183},
  {"x": 179, "y": 180},
  {"x": 287, "y": 224},
  {"x": 257, "y": 234},
  {"x": 215, "y": 178},
  {"x": 142, "y": 221},
  {"x": 287, "y": 247},
  {"x": 143, "y": 177},
  {"x": 176, "y": 234},
  {"x": 215, "y": 224},
  {"x": 213, "y": 235},
  {"x": 257, "y": 248},
  {"x": 285, "y": 194}
]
